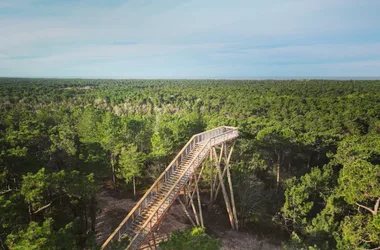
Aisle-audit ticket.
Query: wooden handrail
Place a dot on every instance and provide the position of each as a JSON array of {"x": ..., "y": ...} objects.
[
  {"x": 154, "y": 185},
  {"x": 174, "y": 186}
]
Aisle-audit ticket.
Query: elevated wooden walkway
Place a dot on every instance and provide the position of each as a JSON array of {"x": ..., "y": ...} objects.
[{"x": 152, "y": 207}]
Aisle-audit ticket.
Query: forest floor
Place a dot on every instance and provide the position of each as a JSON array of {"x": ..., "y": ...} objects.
[{"x": 115, "y": 205}]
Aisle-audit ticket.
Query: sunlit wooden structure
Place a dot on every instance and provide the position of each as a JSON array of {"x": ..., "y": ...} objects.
[{"x": 182, "y": 177}]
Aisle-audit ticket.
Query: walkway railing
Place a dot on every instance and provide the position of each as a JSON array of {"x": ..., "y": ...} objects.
[{"x": 206, "y": 139}]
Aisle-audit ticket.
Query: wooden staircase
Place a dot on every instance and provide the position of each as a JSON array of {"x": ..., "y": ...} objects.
[
  {"x": 159, "y": 198},
  {"x": 152, "y": 207}
]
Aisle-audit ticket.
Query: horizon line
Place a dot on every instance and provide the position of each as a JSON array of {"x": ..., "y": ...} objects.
[{"x": 202, "y": 78}]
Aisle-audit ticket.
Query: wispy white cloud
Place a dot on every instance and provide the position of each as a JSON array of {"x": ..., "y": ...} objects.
[
  {"x": 302, "y": 53},
  {"x": 165, "y": 21},
  {"x": 4, "y": 5},
  {"x": 132, "y": 51},
  {"x": 212, "y": 35}
]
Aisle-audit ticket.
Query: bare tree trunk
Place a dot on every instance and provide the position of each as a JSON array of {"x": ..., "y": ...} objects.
[
  {"x": 30, "y": 212},
  {"x": 134, "y": 185},
  {"x": 278, "y": 171},
  {"x": 93, "y": 213},
  {"x": 113, "y": 163},
  {"x": 86, "y": 219},
  {"x": 3, "y": 246}
]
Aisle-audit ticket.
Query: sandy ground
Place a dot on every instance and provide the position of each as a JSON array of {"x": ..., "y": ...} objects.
[
  {"x": 232, "y": 240},
  {"x": 113, "y": 209}
]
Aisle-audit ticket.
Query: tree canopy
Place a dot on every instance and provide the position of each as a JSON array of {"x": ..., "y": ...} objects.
[{"x": 306, "y": 164}]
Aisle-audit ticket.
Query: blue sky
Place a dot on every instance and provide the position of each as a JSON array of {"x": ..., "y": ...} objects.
[{"x": 189, "y": 39}]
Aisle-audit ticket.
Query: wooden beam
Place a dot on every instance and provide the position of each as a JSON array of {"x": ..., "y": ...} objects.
[
  {"x": 193, "y": 206},
  {"x": 231, "y": 189},
  {"x": 186, "y": 212},
  {"x": 218, "y": 162},
  {"x": 150, "y": 246},
  {"x": 211, "y": 179},
  {"x": 226, "y": 199},
  {"x": 196, "y": 181},
  {"x": 195, "y": 212},
  {"x": 184, "y": 195},
  {"x": 221, "y": 154},
  {"x": 199, "y": 206},
  {"x": 154, "y": 241},
  {"x": 218, "y": 188}
]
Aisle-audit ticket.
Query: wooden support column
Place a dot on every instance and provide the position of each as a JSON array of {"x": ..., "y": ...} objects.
[
  {"x": 221, "y": 153},
  {"x": 188, "y": 187},
  {"x": 192, "y": 204},
  {"x": 186, "y": 212},
  {"x": 199, "y": 206},
  {"x": 196, "y": 182},
  {"x": 195, "y": 212},
  {"x": 218, "y": 162},
  {"x": 150, "y": 246},
  {"x": 218, "y": 188},
  {"x": 154, "y": 240},
  {"x": 186, "y": 199},
  {"x": 226, "y": 199},
  {"x": 231, "y": 189},
  {"x": 211, "y": 179}
]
